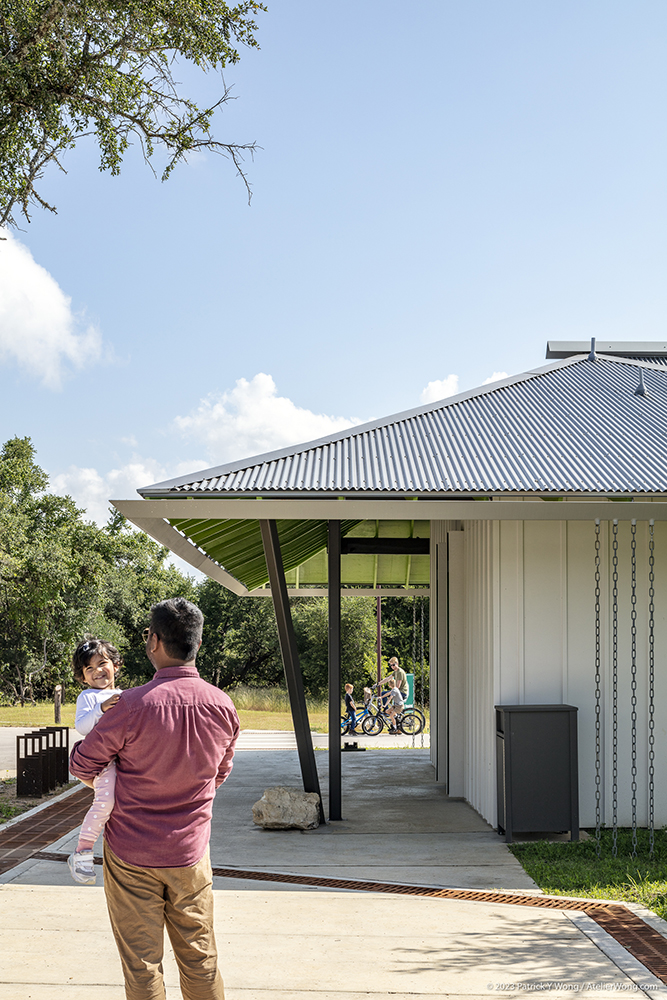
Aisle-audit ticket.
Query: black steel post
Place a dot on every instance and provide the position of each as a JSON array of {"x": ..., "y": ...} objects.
[
  {"x": 290, "y": 656},
  {"x": 333, "y": 582}
]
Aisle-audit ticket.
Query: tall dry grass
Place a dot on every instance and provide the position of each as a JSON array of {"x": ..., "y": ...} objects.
[{"x": 249, "y": 699}]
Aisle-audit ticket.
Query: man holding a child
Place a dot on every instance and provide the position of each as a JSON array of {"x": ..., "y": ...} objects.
[{"x": 173, "y": 742}]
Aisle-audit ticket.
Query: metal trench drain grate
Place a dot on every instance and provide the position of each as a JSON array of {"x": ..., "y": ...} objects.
[{"x": 647, "y": 945}]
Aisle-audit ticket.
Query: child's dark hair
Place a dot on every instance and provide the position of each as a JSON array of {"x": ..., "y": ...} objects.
[{"x": 87, "y": 649}]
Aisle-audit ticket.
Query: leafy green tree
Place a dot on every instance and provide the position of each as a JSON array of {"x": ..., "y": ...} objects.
[
  {"x": 240, "y": 643},
  {"x": 401, "y": 636},
  {"x": 49, "y": 569},
  {"x": 105, "y": 68},
  {"x": 357, "y": 637},
  {"x": 135, "y": 576},
  {"x": 62, "y": 577}
]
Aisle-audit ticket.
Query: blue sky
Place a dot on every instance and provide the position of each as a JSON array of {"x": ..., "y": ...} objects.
[{"x": 443, "y": 186}]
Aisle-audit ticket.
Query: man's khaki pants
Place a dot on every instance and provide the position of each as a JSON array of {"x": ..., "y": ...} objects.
[{"x": 140, "y": 902}]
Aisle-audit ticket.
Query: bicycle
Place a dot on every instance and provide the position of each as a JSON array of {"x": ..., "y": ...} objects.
[
  {"x": 360, "y": 717},
  {"x": 410, "y": 722}
]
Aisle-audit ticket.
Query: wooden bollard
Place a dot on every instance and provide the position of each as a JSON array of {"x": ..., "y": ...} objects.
[{"x": 57, "y": 702}]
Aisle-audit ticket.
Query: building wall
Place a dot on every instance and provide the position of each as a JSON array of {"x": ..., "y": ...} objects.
[
  {"x": 439, "y": 647},
  {"x": 528, "y": 608}
]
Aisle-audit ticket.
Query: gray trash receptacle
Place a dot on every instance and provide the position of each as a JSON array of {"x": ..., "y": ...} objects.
[{"x": 537, "y": 769}]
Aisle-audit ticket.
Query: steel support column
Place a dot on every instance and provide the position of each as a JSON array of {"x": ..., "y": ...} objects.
[
  {"x": 335, "y": 778},
  {"x": 290, "y": 656}
]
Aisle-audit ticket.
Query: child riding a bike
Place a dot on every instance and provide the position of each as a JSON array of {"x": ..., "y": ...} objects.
[{"x": 395, "y": 703}]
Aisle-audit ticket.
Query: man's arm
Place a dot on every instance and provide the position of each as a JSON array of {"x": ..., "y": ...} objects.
[
  {"x": 101, "y": 745},
  {"x": 226, "y": 762}
]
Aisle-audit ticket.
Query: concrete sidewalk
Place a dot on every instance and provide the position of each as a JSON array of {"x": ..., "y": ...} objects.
[
  {"x": 250, "y": 739},
  {"x": 281, "y": 942}
]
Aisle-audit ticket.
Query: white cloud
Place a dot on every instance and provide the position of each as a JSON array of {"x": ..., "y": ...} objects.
[
  {"x": 38, "y": 330},
  {"x": 494, "y": 378},
  {"x": 440, "y": 389},
  {"x": 251, "y": 418},
  {"x": 92, "y": 490}
]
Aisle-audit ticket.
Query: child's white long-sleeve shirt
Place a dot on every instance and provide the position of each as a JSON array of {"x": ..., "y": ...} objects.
[{"x": 89, "y": 708}]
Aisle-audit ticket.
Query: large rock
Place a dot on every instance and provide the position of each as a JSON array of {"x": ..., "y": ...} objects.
[{"x": 282, "y": 808}]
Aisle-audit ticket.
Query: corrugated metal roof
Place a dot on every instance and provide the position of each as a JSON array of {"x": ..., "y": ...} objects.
[{"x": 574, "y": 426}]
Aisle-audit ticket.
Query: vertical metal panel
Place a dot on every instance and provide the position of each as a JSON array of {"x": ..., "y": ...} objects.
[
  {"x": 440, "y": 583},
  {"x": 543, "y": 595},
  {"x": 335, "y": 779},
  {"x": 579, "y": 682},
  {"x": 512, "y": 659},
  {"x": 480, "y": 619},
  {"x": 456, "y": 666},
  {"x": 290, "y": 657}
]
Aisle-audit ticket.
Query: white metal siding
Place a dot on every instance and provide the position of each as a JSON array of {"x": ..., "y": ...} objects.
[
  {"x": 530, "y": 623},
  {"x": 438, "y": 646},
  {"x": 479, "y": 768}
]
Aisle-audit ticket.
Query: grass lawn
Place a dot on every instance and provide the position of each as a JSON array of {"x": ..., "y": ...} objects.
[
  {"x": 258, "y": 708},
  {"x": 35, "y": 716},
  {"x": 278, "y": 718},
  {"x": 573, "y": 869}
]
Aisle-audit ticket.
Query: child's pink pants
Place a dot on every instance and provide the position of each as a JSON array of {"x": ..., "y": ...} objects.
[{"x": 96, "y": 817}]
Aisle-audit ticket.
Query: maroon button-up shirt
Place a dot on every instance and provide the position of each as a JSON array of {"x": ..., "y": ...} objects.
[{"x": 173, "y": 739}]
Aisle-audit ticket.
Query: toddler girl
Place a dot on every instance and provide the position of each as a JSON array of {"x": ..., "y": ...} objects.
[{"x": 95, "y": 663}]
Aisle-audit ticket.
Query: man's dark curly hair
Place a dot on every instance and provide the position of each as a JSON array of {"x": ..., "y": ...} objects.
[{"x": 178, "y": 623}]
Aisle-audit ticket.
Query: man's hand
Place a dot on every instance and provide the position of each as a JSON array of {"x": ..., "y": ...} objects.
[{"x": 110, "y": 702}]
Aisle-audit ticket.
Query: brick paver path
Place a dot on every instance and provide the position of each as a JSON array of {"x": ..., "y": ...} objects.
[{"x": 33, "y": 833}]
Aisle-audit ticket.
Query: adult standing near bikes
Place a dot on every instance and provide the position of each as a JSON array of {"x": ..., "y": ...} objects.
[{"x": 398, "y": 675}]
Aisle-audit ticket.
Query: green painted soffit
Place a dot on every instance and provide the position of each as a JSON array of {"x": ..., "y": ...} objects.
[{"x": 237, "y": 546}]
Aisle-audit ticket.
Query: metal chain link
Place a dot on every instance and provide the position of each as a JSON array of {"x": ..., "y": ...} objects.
[
  {"x": 598, "y": 696},
  {"x": 422, "y": 672},
  {"x": 633, "y": 681},
  {"x": 651, "y": 689},
  {"x": 614, "y": 671}
]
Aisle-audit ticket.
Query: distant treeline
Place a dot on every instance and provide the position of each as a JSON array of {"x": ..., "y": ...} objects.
[{"x": 62, "y": 577}]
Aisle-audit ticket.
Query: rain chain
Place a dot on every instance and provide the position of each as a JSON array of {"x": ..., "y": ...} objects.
[
  {"x": 633, "y": 685},
  {"x": 598, "y": 697},
  {"x": 651, "y": 689},
  {"x": 614, "y": 671}
]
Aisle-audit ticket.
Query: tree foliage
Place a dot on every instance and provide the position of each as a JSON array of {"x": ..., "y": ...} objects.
[
  {"x": 240, "y": 639},
  {"x": 106, "y": 68},
  {"x": 357, "y": 640},
  {"x": 401, "y": 628},
  {"x": 62, "y": 577}
]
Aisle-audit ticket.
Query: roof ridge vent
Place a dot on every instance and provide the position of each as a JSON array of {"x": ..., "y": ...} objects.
[
  {"x": 641, "y": 389},
  {"x": 592, "y": 356}
]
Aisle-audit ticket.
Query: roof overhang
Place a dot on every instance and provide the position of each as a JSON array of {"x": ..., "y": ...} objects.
[{"x": 154, "y": 517}]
